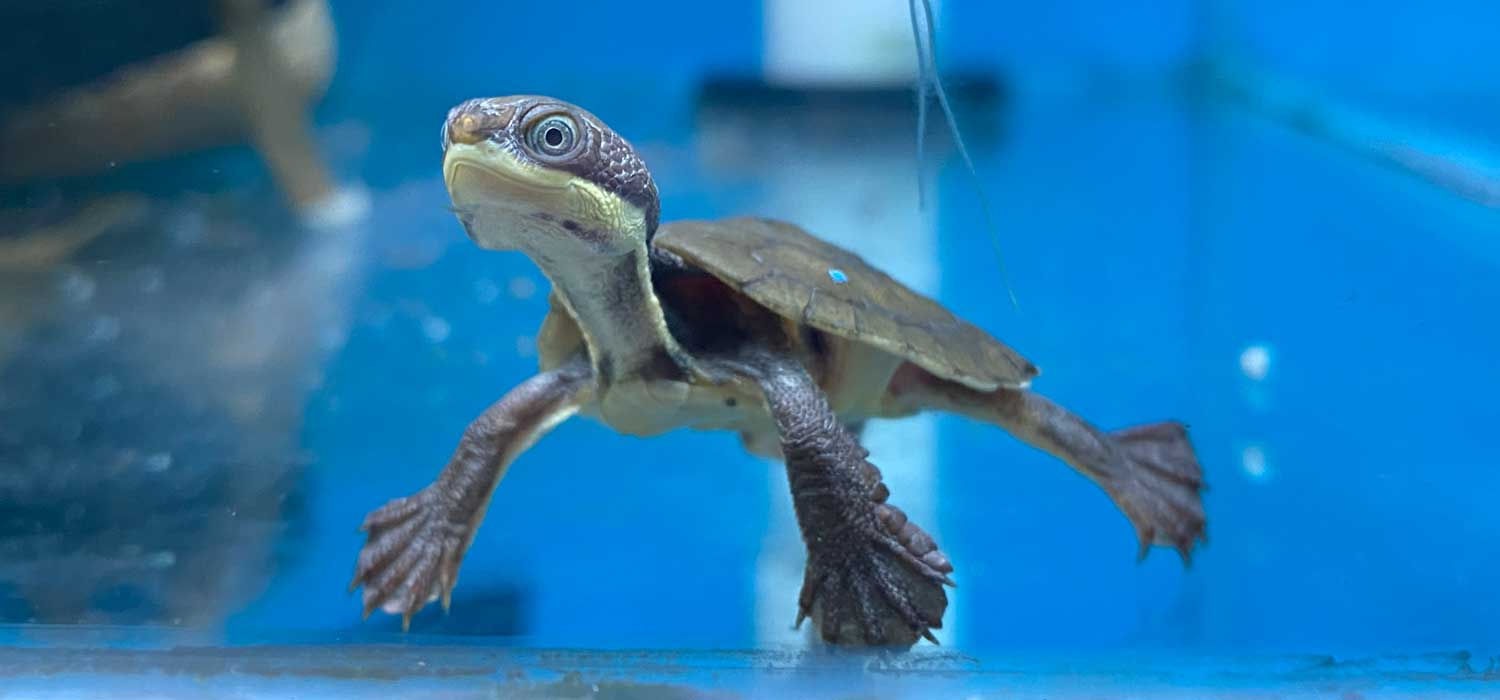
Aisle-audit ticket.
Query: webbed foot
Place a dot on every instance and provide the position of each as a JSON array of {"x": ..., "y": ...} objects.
[
  {"x": 411, "y": 556},
  {"x": 878, "y": 584},
  {"x": 873, "y": 578},
  {"x": 1159, "y": 490}
]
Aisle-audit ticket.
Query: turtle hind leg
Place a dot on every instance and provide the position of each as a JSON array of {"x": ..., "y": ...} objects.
[
  {"x": 873, "y": 578},
  {"x": 1159, "y": 488},
  {"x": 1150, "y": 471}
]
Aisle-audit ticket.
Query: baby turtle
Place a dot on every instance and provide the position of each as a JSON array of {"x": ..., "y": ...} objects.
[{"x": 743, "y": 324}]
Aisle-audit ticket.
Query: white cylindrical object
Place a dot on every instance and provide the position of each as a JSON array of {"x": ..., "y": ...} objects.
[
  {"x": 862, "y": 197},
  {"x": 847, "y": 42}
]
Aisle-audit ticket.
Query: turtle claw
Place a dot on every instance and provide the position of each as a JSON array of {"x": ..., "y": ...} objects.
[
  {"x": 1160, "y": 488},
  {"x": 411, "y": 556},
  {"x": 884, "y": 591}
]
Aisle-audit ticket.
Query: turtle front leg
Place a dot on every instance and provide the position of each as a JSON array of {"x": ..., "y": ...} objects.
[
  {"x": 873, "y": 577},
  {"x": 415, "y": 544}
]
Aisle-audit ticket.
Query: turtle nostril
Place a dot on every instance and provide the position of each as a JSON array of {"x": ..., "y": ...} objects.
[{"x": 466, "y": 128}]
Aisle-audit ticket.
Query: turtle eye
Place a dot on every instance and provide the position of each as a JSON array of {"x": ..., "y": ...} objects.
[{"x": 553, "y": 136}]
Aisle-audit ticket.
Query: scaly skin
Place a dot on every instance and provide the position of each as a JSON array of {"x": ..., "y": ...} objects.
[
  {"x": 417, "y": 543},
  {"x": 546, "y": 178},
  {"x": 1150, "y": 471},
  {"x": 873, "y": 577}
]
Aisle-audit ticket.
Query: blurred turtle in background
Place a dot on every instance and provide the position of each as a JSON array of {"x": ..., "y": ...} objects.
[
  {"x": 156, "y": 351},
  {"x": 182, "y": 77}
]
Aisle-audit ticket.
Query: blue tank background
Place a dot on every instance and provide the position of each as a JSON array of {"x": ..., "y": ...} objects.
[{"x": 1151, "y": 239}]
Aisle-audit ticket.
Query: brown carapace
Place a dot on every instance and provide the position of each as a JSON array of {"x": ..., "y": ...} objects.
[{"x": 746, "y": 325}]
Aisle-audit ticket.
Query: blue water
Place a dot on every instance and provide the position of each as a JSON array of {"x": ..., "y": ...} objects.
[
  {"x": 1322, "y": 321},
  {"x": 1151, "y": 243}
]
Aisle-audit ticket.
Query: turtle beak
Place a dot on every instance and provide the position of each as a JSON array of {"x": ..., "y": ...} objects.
[
  {"x": 509, "y": 200},
  {"x": 480, "y": 167},
  {"x": 499, "y": 197},
  {"x": 487, "y": 174}
]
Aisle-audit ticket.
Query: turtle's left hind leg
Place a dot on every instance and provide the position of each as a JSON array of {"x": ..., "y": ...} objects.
[
  {"x": 1150, "y": 471},
  {"x": 873, "y": 577}
]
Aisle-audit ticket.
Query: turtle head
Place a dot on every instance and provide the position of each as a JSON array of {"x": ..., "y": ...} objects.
[{"x": 547, "y": 178}]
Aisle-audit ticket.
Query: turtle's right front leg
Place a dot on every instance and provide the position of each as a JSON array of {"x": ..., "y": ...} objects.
[
  {"x": 873, "y": 577},
  {"x": 415, "y": 544}
]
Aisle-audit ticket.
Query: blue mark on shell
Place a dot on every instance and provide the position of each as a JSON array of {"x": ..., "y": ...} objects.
[{"x": 837, "y": 275}]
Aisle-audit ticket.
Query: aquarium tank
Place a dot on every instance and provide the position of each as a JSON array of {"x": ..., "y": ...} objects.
[{"x": 850, "y": 348}]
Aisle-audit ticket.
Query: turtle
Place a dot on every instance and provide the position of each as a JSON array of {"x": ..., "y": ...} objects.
[
  {"x": 87, "y": 94},
  {"x": 743, "y": 324}
]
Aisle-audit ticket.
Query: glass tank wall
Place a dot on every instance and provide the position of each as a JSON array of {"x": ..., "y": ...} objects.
[{"x": 237, "y": 314}]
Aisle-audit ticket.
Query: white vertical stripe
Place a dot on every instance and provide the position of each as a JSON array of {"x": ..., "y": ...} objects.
[
  {"x": 862, "y": 196},
  {"x": 844, "y": 41},
  {"x": 824, "y": 196}
]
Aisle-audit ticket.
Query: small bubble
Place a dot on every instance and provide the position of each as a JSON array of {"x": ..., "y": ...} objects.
[
  {"x": 1255, "y": 362},
  {"x": 187, "y": 227},
  {"x": 162, "y": 560},
  {"x": 111, "y": 164},
  {"x": 525, "y": 346},
  {"x": 149, "y": 279},
  {"x": 159, "y": 462},
  {"x": 1253, "y": 461},
  {"x": 486, "y": 291},
  {"x": 77, "y": 287},
  {"x": 104, "y": 329},
  {"x": 104, "y": 387},
  {"x": 436, "y": 329},
  {"x": 522, "y": 287}
]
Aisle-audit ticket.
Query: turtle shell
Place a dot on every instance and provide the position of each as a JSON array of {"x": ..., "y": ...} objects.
[{"x": 799, "y": 276}]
